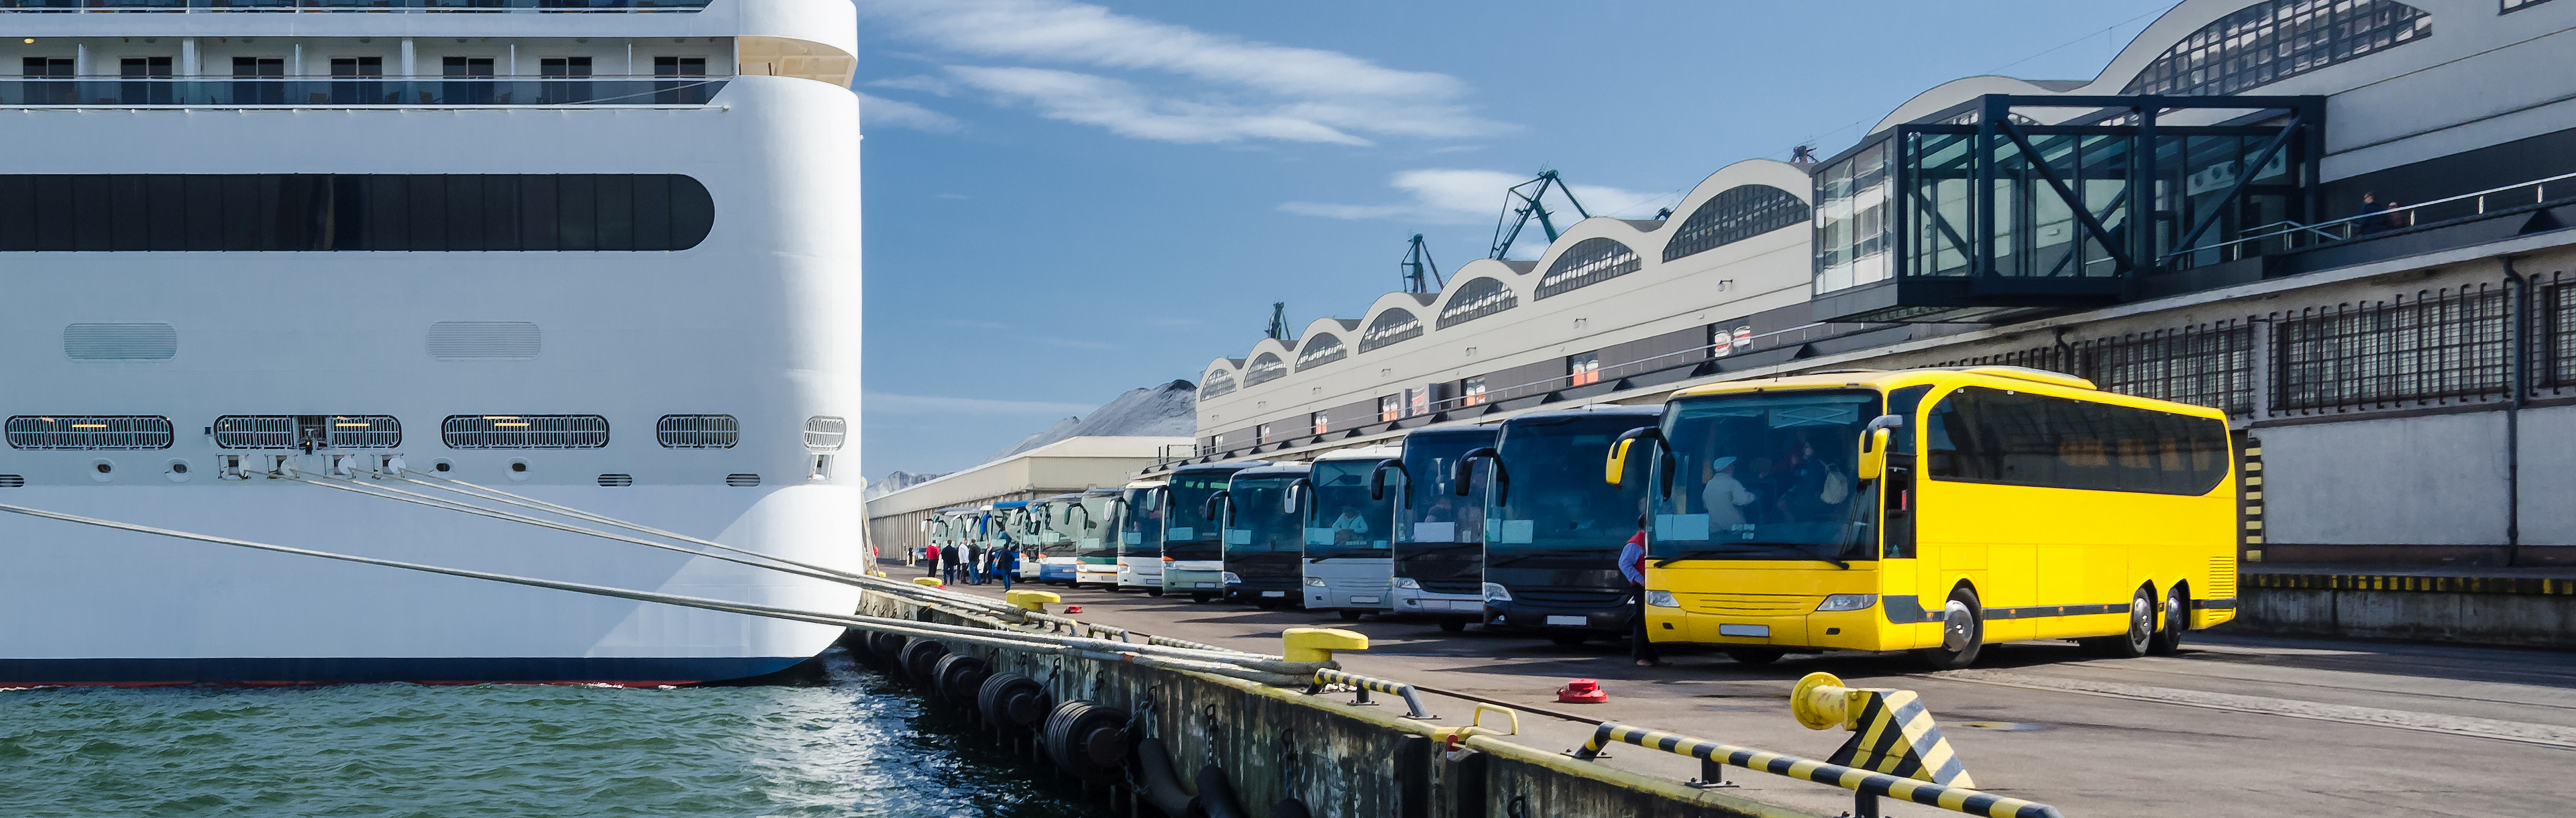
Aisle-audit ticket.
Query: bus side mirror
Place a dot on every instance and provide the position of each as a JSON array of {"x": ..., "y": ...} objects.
[
  {"x": 1873, "y": 446},
  {"x": 1614, "y": 470},
  {"x": 1466, "y": 468},
  {"x": 1216, "y": 503},
  {"x": 1377, "y": 478},
  {"x": 1296, "y": 495}
]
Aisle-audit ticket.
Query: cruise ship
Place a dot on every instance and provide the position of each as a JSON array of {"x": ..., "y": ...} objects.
[{"x": 599, "y": 253}]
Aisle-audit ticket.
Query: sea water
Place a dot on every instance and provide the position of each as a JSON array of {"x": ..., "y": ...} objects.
[{"x": 848, "y": 743}]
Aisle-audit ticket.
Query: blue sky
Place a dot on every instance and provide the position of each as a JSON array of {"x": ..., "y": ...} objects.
[{"x": 1067, "y": 200}]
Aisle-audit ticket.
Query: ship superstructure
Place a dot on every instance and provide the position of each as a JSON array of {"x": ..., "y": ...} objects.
[{"x": 602, "y": 255}]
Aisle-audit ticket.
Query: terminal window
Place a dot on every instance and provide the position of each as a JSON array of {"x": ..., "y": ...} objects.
[{"x": 1583, "y": 369}]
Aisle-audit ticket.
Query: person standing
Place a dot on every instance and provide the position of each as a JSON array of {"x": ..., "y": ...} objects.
[
  {"x": 1006, "y": 564},
  {"x": 1632, "y": 564},
  {"x": 930, "y": 555}
]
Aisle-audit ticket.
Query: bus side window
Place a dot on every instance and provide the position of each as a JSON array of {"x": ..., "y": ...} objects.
[{"x": 1941, "y": 453}]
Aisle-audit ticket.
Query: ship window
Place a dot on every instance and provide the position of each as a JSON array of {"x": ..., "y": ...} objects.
[
  {"x": 564, "y": 67},
  {"x": 468, "y": 67},
  {"x": 143, "y": 67},
  {"x": 129, "y": 212},
  {"x": 697, "y": 431},
  {"x": 89, "y": 432},
  {"x": 258, "y": 67},
  {"x": 357, "y": 66},
  {"x": 824, "y": 433},
  {"x": 679, "y": 66},
  {"x": 742, "y": 481},
  {"x": 524, "y": 431},
  {"x": 41, "y": 67}
]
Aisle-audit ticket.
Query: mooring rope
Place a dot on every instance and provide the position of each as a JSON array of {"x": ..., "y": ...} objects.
[{"x": 1267, "y": 669}]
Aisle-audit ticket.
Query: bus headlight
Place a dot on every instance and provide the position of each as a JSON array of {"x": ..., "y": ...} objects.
[
  {"x": 1231, "y": 579},
  {"x": 1848, "y": 602},
  {"x": 1495, "y": 592},
  {"x": 1662, "y": 599},
  {"x": 1407, "y": 582},
  {"x": 1315, "y": 582}
]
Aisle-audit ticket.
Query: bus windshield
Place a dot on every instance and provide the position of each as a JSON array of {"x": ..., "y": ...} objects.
[
  {"x": 1057, "y": 524},
  {"x": 1262, "y": 521},
  {"x": 1094, "y": 521},
  {"x": 1344, "y": 522},
  {"x": 1187, "y": 532},
  {"x": 1766, "y": 476},
  {"x": 1555, "y": 511},
  {"x": 1432, "y": 511},
  {"x": 1140, "y": 523}
]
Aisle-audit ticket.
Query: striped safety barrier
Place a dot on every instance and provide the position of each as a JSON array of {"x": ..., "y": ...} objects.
[
  {"x": 1169, "y": 642},
  {"x": 1866, "y": 784},
  {"x": 1361, "y": 685}
]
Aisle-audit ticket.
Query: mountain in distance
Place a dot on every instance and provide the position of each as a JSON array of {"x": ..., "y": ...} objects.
[{"x": 897, "y": 481}]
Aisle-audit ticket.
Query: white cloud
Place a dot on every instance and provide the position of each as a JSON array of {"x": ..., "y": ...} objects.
[
  {"x": 1235, "y": 90},
  {"x": 900, "y": 114},
  {"x": 934, "y": 404},
  {"x": 917, "y": 82},
  {"x": 1452, "y": 196}
]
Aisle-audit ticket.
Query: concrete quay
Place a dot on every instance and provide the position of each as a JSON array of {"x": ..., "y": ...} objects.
[{"x": 2235, "y": 725}]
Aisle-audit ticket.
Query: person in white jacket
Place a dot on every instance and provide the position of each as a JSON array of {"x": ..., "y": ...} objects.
[{"x": 1724, "y": 498}]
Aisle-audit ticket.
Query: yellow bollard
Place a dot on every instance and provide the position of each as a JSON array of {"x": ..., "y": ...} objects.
[
  {"x": 929, "y": 581},
  {"x": 1318, "y": 644},
  {"x": 1891, "y": 732},
  {"x": 1033, "y": 600}
]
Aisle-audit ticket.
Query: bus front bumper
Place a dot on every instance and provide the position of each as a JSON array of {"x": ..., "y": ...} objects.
[
  {"x": 1470, "y": 607},
  {"x": 1193, "y": 581},
  {"x": 1527, "y": 618},
  {"x": 1866, "y": 629}
]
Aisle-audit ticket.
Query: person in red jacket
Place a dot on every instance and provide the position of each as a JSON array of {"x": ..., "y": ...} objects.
[{"x": 1632, "y": 564}]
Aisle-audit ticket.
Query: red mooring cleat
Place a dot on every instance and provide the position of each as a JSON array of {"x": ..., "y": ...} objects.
[
  {"x": 1073, "y": 609},
  {"x": 1582, "y": 691}
]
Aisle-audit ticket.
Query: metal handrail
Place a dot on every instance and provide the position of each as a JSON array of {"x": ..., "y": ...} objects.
[
  {"x": 315, "y": 6},
  {"x": 1868, "y": 785},
  {"x": 1363, "y": 684},
  {"x": 2325, "y": 230}
]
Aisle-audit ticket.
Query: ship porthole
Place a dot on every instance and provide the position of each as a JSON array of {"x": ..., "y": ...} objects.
[
  {"x": 442, "y": 465},
  {"x": 518, "y": 470},
  {"x": 177, "y": 472},
  {"x": 102, "y": 470}
]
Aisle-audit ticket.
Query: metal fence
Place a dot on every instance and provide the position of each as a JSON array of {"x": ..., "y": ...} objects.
[
  {"x": 2207, "y": 364},
  {"x": 2553, "y": 351}
]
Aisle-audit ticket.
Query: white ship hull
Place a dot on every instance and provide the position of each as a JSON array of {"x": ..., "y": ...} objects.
[{"x": 757, "y": 323}]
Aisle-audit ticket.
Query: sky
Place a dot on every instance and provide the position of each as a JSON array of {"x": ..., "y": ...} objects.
[{"x": 1066, "y": 200}]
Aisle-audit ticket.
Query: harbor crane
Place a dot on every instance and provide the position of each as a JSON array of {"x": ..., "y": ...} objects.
[
  {"x": 1417, "y": 261},
  {"x": 1521, "y": 202}
]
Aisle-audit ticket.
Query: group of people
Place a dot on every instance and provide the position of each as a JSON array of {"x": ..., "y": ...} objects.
[
  {"x": 1797, "y": 486},
  {"x": 972, "y": 565}
]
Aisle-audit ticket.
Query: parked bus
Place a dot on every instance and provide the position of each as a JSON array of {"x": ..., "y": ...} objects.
[
  {"x": 1095, "y": 545},
  {"x": 1348, "y": 561},
  {"x": 1140, "y": 537},
  {"x": 1056, "y": 523},
  {"x": 1193, "y": 552},
  {"x": 1937, "y": 511},
  {"x": 1439, "y": 546},
  {"x": 1553, "y": 529},
  {"x": 1265, "y": 535}
]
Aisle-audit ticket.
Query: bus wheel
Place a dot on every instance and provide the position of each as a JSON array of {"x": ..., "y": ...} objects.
[
  {"x": 2177, "y": 612},
  {"x": 1756, "y": 657},
  {"x": 2140, "y": 636},
  {"x": 1153, "y": 592},
  {"x": 1963, "y": 633}
]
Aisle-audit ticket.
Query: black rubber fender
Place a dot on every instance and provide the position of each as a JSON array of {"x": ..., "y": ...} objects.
[
  {"x": 918, "y": 658},
  {"x": 1086, "y": 739},
  {"x": 1013, "y": 700},
  {"x": 1291, "y": 808},
  {"x": 1216, "y": 797},
  {"x": 956, "y": 677},
  {"x": 1161, "y": 782},
  {"x": 883, "y": 648}
]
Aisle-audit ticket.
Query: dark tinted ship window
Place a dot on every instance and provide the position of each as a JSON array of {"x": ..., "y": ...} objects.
[{"x": 320, "y": 211}]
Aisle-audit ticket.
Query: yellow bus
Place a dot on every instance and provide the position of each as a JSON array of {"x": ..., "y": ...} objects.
[{"x": 1936, "y": 511}]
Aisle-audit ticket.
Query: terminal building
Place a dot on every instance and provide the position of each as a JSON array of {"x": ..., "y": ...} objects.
[{"x": 2345, "y": 223}]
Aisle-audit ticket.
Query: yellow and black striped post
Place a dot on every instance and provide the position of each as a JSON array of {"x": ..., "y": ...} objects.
[
  {"x": 1867, "y": 785},
  {"x": 1361, "y": 685},
  {"x": 1891, "y": 732}
]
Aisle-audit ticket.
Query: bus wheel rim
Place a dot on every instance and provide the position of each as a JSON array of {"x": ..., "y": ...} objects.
[{"x": 1954, "y": 626}]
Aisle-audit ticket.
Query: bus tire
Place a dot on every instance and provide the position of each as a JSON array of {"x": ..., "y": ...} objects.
[
  {"x": 1755, "y": 657},
  {"x": 1153, "y": 592},
  {"x": 2177, "y": 618},
  {"x": 1963, "y": 632},
  {"x": 2138, "y": 638}
]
